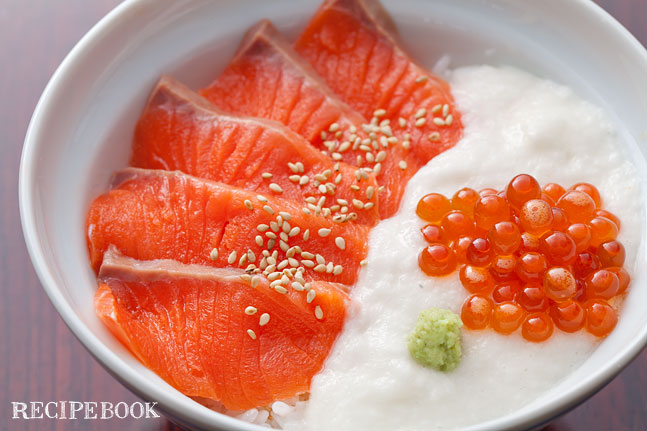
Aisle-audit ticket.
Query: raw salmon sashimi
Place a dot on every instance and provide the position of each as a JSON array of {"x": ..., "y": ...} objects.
[
  {"x": 181, "y": 130},
  {"x": 210, "y": 334},
  {"x": 353, "y": 45},
  {"x": 268, "y": 79},
  {"x": 155, "y": 214}
]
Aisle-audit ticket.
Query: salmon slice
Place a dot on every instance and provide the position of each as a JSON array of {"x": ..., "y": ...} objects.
[
  {"x": 155, "y": 214},
  {"x": 179, "y": 130},
  {"x": 191, "y": 325},
  {"x": 354, "y": 46},
  {"x": 268, "y": 79}
]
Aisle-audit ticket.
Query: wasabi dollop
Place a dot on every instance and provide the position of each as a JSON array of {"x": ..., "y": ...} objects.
[{"x": 436, "y": 340}]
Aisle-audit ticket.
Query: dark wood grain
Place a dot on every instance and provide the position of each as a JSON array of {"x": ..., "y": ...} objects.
[{"x": 39, "y": 357}]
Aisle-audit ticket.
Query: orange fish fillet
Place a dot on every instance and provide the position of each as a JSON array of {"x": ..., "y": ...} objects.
[
  {"x": 268, "y": 79},
  {"x": 354, "y": 46},
  {"x": 189, "y": 324},
  {"x": 169, "y": 215},
  {"x": 181, "y": 130}
]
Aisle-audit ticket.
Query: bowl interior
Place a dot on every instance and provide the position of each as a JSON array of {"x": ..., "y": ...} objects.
[{"x": 82, "y": 130}]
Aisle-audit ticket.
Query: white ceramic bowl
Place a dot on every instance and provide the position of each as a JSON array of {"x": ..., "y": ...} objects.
[{"x": 82, "y": 127}]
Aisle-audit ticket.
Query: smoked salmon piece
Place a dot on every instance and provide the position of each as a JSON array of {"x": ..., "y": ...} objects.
[
  {"x": 268, "y": 79},
  {"x": 155, "y": 214},
  {"x": 354, "y": 46},
  {"x": 210, "y": 334},
  {"x": 179, "y": 130}
]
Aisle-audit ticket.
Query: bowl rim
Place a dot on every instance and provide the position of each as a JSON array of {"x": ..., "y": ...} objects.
[{"x": 182, "y": 408}]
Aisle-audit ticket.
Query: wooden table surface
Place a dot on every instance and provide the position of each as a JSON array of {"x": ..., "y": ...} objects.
[{"x": 40, "y": 360}]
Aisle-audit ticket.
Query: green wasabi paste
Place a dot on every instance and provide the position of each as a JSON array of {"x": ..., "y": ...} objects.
[{"x": 436, "y": 340}]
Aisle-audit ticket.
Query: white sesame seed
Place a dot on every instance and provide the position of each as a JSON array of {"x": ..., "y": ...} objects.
[
  {"x": 251, "y": 334},
  {"x": 300, "y": 167},
  {"x": 214, "y": 254},
  {"x": 379, "y": 113},
  {"x": 271, "y": 235},
  {"x": 445, "y": 110},
  {"x": 421, "y": 79},
  {"x": 268, "y": 209},
  {"x": 294, "y": 178},
  {"x": 355, "y": 187},
  {"x": 436, "y": 109},
  {"x": 274, "y": 275},
  {"x": 338, "y": 270},
  {"x": 243, "y": 260},
  {"x": 271, "y": 243},
  {"x": 323, "y": 232},
  {"x": 340, "y": 243},
  {"x": 255, "y": 281},
  {"x": 294, "y": 231},
  {"x": 276, "y": 188},
  {"x": 402, "y": 164},
  {"x": 369, "y": 192},
  {"x": 363, "y": 262},
  {"x": 266, "y": 175},
  {"x": 232, "y": 257},
  {"x": 434, "y": 136},
  {"x": 311, "y": 295},
  {"x": 368, "y": 205},
  {"x": 439, "y": 121},
  {"x": 251, "y": 256},
  {"x": 250, "y": 310},
  {"x": 261, "y": 198},
  {"x": 322, "y": 189},
  {"x": 420, "y": 113},
  {"x": 297, "y": 286},
  {"x": 245, "y": 277},
  {"x": 449, "y": 120},
  {"x": 320, "y": 268},
  {"x": 307, "y": 263},
  {"x": 306, "y": 234},
  {"x": 262, "y": 227},
  {"x": 248, "y": 204},
  {"x": 377, "y": 168},
  {"x": 265, "y": 318},
  {"x": 259, "y": 240},
  {"x": 406, "y": 144},
  {"x": 283, "y": 245},
  {"x": 293, "y": 167},
  {"x": 421, "y": 122},
  {"x": 333, "y": 127},
  {"x": 306, "y": 211},
  {"x": 402, "y": 122},
  {"x": 281, "y": 289},
  {"x": 318, "y": 312}
]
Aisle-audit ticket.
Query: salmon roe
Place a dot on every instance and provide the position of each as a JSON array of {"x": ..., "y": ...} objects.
[
  {"x": 437, "y": 259},
  {"x": 537, "y": 327},
  {"x": 532, "y": 258},
  {"x": 433, "y": 207}
]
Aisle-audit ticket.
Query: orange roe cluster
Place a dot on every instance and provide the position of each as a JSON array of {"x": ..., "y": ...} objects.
[{"x": 531, "y": 257}]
